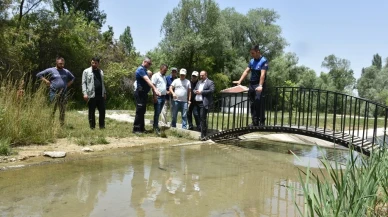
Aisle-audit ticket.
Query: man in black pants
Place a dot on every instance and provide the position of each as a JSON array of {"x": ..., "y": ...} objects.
[
  {"x": 94, "y": 92},
  {"x": 144, "y": 85},
  {"x": 193, "y": 106},
  {"x": 204, "y": 91},
  {"x": 258, "y": 67}
]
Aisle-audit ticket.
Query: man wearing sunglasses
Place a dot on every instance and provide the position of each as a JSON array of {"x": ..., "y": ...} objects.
[{"x": 144, "y": 85}]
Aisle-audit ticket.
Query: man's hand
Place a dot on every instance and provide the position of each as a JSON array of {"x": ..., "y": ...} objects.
[
  {"x": 86, "y": 98},
  {"x": 259, "y": 89},
  {"x": 168, "y": 92},
  {"x": 104, "y": 96},
  {"x": 157, "y": 92},
  {"x": 237, "y": 82},
  {"x": 174, "y": 96},
  {"x": 198, "y": 92}
]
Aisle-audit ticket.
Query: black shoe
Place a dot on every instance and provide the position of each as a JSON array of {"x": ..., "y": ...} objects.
[
  {"x": 101, "y": 128},
  {"x": 191, "y": 128}
]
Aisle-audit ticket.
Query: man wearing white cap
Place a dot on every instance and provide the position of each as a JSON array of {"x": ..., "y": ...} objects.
[
  {"x": 193, "y": 106},
  {"x": 181, "y": 93}
]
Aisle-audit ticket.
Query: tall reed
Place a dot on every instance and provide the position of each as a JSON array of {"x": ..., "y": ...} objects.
[
  {"x": 25, "y": 114},
  {"x": 358, "y": 188}
]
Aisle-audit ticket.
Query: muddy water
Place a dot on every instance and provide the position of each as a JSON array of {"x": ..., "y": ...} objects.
[{"x": 200, "y": 180}]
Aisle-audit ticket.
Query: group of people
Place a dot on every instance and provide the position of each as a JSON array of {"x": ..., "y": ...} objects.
[
  {"x": 192, "y": 97},
  {"x": 175, "y": 93}
]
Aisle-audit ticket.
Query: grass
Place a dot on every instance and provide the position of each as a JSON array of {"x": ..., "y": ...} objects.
[
  {"x": 5, "y": 149},
  {"x": 358, "y": 188}
]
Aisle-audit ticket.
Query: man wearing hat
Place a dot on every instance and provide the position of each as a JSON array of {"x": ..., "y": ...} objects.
[
  {"x": 193, "y": 106},
  {"x": 181, "y": 95},
  {"x": 168, "y": 103}
]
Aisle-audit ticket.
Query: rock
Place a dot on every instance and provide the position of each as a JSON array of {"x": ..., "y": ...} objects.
[
  {"x": 21, "y": 158},
  {"x": 12, "y": 160},
  {"x": 55, "y": 154},
  {"x": 16, "y": 166},
  {"x": 87, "y": 150}
]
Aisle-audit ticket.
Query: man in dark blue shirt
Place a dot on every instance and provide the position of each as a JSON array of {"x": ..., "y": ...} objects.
[
  {"x": 58, "y": 79},
  {"x": 258, "y": 67},
  {"x": 144, "y": 85}
]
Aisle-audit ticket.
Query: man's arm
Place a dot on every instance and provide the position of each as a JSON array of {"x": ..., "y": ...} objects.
[
  {"x": 210, "y": 90},
  {"x": 151, "y": 85},
  {"x": 154, "y": 81},
  {"x": 71, "y": 77},
  {"x": 262, "y": 78},
  {"x": 41, "y": 75},
  {"x": 243, "y": 76}
]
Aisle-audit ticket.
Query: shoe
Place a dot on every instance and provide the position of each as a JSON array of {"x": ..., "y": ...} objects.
[
  {"x": 101, "y": 128},
  {"x": 191, "y": 128},
  {"x": 157, "y": 131},
  {"x": 137, "y": 132}
]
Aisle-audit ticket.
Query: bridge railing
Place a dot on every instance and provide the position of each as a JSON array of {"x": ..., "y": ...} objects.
[{"x": 302, "y": 108}]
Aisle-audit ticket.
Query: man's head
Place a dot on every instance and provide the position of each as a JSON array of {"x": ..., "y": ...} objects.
[
  {"x": 174, "y": 71},
  {"x": 255, "y": 52},
  {"x": 95, "y": 62},
  {"x": 203, "y": 75},
  {"x": 149, "y": 73},
  {"x": 182, "y": 73},
  {"x": 60, "y": 63},
  {"x": 163, "y": 69},
  {"x": 147, "y": 62},
  {"x": 194, "y": 76}
]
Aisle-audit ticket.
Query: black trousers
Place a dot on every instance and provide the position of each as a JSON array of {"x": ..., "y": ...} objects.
[
  {"x": 98, "y": 103},
  {"x": 257, "y": 105},
  {"x": 193, "y": 110},
  {"x": 141, "y": 107},
  {"x": 203, "y": 117}
]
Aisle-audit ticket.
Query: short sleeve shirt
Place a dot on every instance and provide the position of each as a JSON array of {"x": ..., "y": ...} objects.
[
  {"x": 181, "y": 88},
  {"x": 142, "y": 85},
  {"x": 59, "y": 78},
  {"x": 160, "y": 83},
  {"x": 256, "y": 65}
]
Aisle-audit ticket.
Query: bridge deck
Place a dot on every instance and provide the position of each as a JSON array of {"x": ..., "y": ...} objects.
[{"x": 362, "y": 145}]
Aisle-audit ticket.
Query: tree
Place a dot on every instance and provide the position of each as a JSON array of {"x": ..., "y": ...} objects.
[
  {"x": 127, "y": 40},
  {"x": 366, "y": 84},
  {"x": 377, "y": 61},
  {"x": 340, "y": 73},
  {"x": 89, "y": 8}
]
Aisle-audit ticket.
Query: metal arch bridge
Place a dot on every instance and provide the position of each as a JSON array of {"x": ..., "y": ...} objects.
[{"x": 336, "y": 117}]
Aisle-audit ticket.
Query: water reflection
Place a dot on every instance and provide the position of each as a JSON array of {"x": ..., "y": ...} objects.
[{"x": 207, "y": 180}]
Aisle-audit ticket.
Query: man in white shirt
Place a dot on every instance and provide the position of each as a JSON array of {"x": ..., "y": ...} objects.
[
  {"x": 159, "y": 80},
  {"x": 181, "y": 92}
]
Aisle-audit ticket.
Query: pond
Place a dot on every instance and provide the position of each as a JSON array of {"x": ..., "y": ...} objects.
[{"x": 244, "y": 179}]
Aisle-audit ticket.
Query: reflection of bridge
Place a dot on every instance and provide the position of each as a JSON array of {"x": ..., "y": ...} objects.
[{"x": 340, "y": 118}]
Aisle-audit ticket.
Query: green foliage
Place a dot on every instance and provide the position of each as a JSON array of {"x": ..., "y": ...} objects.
[
  {"x": 340, "y": 73},
  {"x": 357, "y": 188},
  {"x": 377, "y": 62},
  {"x": 221, "y": 81},
  {"x": 5, "y": 149},
  {"x": 127, "y": 40}
]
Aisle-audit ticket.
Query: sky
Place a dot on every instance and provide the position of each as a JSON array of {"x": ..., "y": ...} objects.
[{"x": 350, "y": 29}]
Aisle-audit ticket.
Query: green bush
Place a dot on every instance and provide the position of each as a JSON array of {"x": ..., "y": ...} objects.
[{"x": 5, "y": 149}]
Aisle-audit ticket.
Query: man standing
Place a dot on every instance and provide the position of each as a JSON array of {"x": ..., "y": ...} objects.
[
  {"x": 144, "y": 85},
  {"x": 181, "y": 92},
  {"x": 159, "y": 80},
  {"x": 94, "y": 92},
  {"x": 193, "y": 106},
  {"x": 149, "y": 73},
  {"x": 204, "y": 91},
  {"x": 258, "y": 65},
  {"x": 58, "y": 79},
  {"x": 169, "y": 102}
]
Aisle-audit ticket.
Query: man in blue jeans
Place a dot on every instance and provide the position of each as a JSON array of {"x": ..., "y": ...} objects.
[
  {"x": 181, "y": 93},
  {"x": 58, "y": 79},
  {"x": 160, "y": 82}
]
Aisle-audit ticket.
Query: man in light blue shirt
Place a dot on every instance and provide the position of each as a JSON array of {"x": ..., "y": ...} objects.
[{"x": 160, "y": 82}]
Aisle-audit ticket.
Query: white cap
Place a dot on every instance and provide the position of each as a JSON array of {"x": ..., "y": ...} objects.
[
  {"x": 195, "y": 73},
  {"x": 183, "y": 71}
]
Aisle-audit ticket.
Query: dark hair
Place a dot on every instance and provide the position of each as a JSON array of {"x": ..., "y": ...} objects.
[
  {"x": 163, "y": 65},
  {"x": 96, "y": 59},
  {"x": 255, "y": 48},
  {"x": 60, "y": 58}
]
